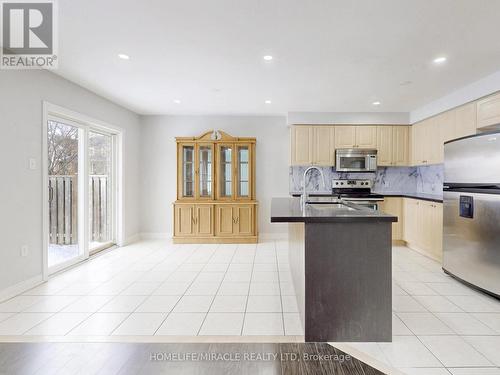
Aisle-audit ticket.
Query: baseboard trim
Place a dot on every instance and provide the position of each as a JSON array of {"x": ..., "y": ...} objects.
[
  {"x": 130, "y": 240},
  {"x": 21, "y": 287},
  {"x": 155, "y": 235},
  {"x": 277, "y": 236},
  {"x": 423, "y": 252},
  {"x": 165, "y": 235}
]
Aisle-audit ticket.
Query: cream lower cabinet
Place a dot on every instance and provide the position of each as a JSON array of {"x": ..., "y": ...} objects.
[
  {"x": 235, "y": 220},
  {"x": 423, "y": 226},
  {"x": 215, "y": 223},
  {"x": 394, "y": 206},
  {"x": 193, "y": 220}
]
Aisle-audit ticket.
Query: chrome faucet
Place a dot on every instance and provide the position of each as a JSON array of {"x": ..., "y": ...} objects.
[{"x": 303, "y": 197}]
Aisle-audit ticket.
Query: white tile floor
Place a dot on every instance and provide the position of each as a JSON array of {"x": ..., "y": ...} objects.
[
  {"x": 154, "y": 288},
  {"x": 440, "y": 326},
  {"x": 157, "y": 288}
]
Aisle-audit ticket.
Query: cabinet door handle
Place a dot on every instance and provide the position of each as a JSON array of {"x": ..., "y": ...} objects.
[{"x": 194, "y": 219}]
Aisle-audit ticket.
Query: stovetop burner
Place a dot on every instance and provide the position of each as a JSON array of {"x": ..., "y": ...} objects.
[{"x": 354, "y": 189}]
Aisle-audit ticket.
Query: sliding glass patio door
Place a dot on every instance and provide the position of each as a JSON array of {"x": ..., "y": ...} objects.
[
  {"x": 101, "y": 190},
  {"x": 81, "y": 191},
  {"x": 65, "y": 166}
]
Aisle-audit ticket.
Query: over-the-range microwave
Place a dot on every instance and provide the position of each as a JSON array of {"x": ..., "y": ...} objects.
[{"x": 356, "y": 160}]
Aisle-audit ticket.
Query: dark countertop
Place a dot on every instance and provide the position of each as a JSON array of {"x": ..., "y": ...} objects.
[
  {"x": 288, "y": 210},
  {"x": 422, "y": 196}
]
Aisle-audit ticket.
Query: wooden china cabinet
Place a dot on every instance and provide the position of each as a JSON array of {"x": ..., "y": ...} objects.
[{"x": 215, "y": 189}]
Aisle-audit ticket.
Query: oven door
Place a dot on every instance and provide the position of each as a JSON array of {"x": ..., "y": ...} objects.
[{"x": 372, "y": 204}]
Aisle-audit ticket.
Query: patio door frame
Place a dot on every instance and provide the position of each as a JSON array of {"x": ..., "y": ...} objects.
[
  {"x": 84, "y": 124},
  {"x": 112, "y": 180}
]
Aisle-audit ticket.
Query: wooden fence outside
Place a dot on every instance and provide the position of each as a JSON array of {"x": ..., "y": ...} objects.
[{"x": 63, "y": 209}]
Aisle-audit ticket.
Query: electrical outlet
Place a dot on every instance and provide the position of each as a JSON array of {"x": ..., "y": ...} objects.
[
  {"x": 32, "y": 163},
  {"x": 24, "y": 250}
]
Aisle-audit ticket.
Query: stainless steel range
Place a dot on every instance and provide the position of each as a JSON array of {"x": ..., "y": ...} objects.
[{"x": 357, "y": 191}]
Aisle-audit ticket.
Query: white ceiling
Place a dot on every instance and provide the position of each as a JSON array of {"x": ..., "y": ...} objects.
[{"x": 329, "y": 55}]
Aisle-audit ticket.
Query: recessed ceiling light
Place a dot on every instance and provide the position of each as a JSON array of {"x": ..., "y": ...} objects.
[
  {"x": 376, "y": 103},
  {"x": 439, "y": 60},
  {"x": 267, "y": 102},
  {"x": 177, "y": 101},
  {"x": 123, "y": 56},
  {"x": 268, "y": 57}
]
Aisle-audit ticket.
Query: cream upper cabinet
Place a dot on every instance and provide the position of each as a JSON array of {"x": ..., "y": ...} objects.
[
  {"x": 366, "y": 137},
  {"x": 434, "y": 137},
  {"x": 427, "y": 142},
  {"x": 393, "y": 145},
  {"x": 313, "y": 145},
  {"x": 458, "y": 122},
  {"x": 345, "y": 136},
  {"x": 357, "y": 136},
  {"x": 446, "y": 123},
  {"x": 400, "y": 145},
  {"x": 488, "y": 111},
  {"x": 418, "y": 146},
  {"x": 324, "y": 145},
  {"x": 316, "y": 145},
  {"x": 385, "y": 145},
  {"x": 465, "y": 120},
  {"x": 302, "y": 145},
  {"x": 429, "y": 136}
]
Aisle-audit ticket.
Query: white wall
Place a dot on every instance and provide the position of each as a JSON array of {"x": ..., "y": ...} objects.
[
  {"x": 368, "y": 118},
  {"x": 21, "y": 96},
  {"x": 158, "y": 163},
  {"x": 473, "y": 91}
]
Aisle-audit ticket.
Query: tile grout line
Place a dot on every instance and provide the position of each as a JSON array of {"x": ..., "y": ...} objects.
[
  {"x": 130, "y": 313},
  {"x": 173, "y": 307},
  {"x": 248, "y": 292},
  {"x": 217, "y": 291},
  {"x": 281, "y": 296}
]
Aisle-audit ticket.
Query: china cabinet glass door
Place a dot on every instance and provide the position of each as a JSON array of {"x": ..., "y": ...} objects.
[
  {"x": 205, "y": 171},
  {"x": 188, "y": 171},
  {"x": 243, "y": 171},
  {"x": 225, "y": 171}
]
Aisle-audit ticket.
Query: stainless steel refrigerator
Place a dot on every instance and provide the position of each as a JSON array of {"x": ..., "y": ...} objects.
[{"x": 471, "y": 204}]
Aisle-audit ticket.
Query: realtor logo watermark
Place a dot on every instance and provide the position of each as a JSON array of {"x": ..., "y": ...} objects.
[{"x": 29, "y": 39}]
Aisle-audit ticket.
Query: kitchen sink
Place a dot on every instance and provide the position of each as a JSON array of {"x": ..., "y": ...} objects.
[{"x": 329, "y": 206}]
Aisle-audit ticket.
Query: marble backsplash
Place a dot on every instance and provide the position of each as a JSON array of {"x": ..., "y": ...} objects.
[{"x": 422, "y": 179}]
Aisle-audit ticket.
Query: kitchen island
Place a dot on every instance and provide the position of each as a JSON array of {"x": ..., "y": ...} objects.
[{"x": 340, "y": 259}]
